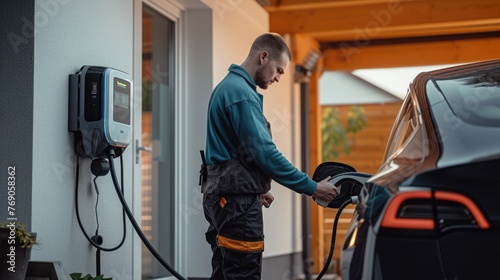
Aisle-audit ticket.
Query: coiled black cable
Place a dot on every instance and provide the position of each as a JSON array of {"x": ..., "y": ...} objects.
[{"x": 80, "y": 222}]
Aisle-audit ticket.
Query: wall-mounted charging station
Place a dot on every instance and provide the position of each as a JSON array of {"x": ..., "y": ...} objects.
[
  {"x": 100, "y": 115},
  {"x": 100, "y": 110}
]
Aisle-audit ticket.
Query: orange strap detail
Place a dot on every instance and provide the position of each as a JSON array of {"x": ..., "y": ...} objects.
[
  {"x": 238, "y": 245},
  {"x": 222, "y": 202}
]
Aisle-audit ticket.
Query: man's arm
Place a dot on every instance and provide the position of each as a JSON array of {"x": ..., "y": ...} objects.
[
  {"x": 325, "y": 190},
  {"x": 249, "y": 125}
]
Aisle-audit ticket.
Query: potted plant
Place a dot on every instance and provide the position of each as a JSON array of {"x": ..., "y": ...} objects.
[{"x": 15, "y": 247}]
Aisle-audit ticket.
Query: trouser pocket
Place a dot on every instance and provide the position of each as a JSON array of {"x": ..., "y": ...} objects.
[{"x": 243, "y": 229}]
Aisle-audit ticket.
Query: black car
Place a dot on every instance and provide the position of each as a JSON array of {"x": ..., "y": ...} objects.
[{"x": 432, "y": 211}]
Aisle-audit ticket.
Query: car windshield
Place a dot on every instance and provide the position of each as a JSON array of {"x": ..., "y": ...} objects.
[{"x": 474, "y": 99}]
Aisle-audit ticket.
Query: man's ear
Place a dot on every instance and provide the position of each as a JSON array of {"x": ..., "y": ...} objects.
[{"x": 263, "y": 57}]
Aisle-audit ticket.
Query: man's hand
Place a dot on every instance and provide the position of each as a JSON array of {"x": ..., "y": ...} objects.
[
  {"x": 267, "y": 199},
  {"x": 326, "y": 191}
]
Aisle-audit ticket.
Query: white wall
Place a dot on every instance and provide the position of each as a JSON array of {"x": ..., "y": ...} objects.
[
  {"x": 70, "y": 34},
  {"x": 236, "y": 24},
  {"x": 198, "y": 73}
]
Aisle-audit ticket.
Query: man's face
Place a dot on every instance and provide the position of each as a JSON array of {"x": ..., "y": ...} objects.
[{"x": 271, "y": 70}]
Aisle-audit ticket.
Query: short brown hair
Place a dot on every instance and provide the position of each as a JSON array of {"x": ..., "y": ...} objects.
[{"x": 273, "y": 42}]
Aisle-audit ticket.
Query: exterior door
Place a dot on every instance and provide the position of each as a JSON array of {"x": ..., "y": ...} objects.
[{"x": 156, "y": 152}]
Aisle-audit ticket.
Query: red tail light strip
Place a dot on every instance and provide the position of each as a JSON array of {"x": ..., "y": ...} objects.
[
  {"x": 467, "y": 202},
  {"x": 391, "y": 219}
]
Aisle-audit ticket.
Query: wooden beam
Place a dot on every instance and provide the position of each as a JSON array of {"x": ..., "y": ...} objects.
[
  {"x": 294, "y": 5},
  {"x": 350, "y": 56},
  {"x": 315, "y": 158},
  {"x": 301, "y": 45},
  {"x": 375, "y": 19},
  {"x": 315, "y": 143},
  {"x": 373, "y": 31}
]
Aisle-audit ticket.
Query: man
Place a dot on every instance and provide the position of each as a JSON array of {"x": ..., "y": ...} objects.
[{"x": 241, "y": 159}]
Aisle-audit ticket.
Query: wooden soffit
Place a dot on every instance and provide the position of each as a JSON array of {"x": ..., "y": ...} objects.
[{"x": 368, "y": 23}]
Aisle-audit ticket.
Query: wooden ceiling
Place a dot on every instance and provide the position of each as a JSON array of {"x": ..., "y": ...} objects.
[{"x": 353, "y": 34}]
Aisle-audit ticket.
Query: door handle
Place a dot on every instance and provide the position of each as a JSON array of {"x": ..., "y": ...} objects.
[{"x": 139, "y": 149}]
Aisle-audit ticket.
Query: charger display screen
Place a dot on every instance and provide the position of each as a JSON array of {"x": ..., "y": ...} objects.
[{"x": 121, "y": 101}]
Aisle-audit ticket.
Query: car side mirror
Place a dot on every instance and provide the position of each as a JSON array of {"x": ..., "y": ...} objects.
[{"x": 344, "y": 177}]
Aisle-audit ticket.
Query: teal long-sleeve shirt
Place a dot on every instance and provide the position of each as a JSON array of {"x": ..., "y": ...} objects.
[{"x": 236, "y": 120}]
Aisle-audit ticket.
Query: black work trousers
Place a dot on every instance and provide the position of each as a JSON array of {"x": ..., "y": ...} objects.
[{"x": 235, "y": 234}]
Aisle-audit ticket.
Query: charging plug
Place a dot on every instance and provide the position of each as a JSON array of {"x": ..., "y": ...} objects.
[
  {"x": 354, "y": 199},
  {"x": 97, "y": 239},
  {"x": 99, "y": 166}
]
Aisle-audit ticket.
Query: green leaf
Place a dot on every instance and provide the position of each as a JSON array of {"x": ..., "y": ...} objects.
[
  {"x": 78, "y": 276},
  {"x": 75, "y": 276},
  {"x": 334, "y": 136}
]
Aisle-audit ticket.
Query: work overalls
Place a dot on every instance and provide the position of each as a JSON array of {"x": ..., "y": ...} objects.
[{"x": 233, "y": 208}]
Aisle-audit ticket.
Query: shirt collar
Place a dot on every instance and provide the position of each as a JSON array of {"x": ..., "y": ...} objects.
[{"x": 242, "y": 72}]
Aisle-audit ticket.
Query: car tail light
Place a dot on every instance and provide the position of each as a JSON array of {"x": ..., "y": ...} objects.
[
  {"x": 467, "y": 204},
  {"x": 397, "y": 213},
  {"x": 421, "y": 210}
]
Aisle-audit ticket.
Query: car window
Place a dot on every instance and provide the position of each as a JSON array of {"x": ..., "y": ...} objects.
[
  {"x": 376, "y": 201},
  {"x": 408, "y": 126},
  {"x": 474, "y": 99}
]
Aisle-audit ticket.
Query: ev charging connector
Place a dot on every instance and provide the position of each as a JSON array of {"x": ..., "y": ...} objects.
[
  {"x": 357, "y": 180},
  {"x": 100, "y": 111}
]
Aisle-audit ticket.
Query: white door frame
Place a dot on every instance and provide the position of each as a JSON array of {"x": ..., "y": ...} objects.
[{"x": 173, "y": 11}]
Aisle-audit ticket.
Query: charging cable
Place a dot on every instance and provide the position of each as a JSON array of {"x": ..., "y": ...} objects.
[
  {"x": 353, "y": 200},
  {"x": 111, "y": 155},
  {"x": 95, "y": 240}
]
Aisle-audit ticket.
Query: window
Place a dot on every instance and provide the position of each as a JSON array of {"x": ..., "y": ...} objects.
[
  {"x": 158, "y": 113},
  {"x": 475, "y": 99},
  {"x": 407, "y": 140}
]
